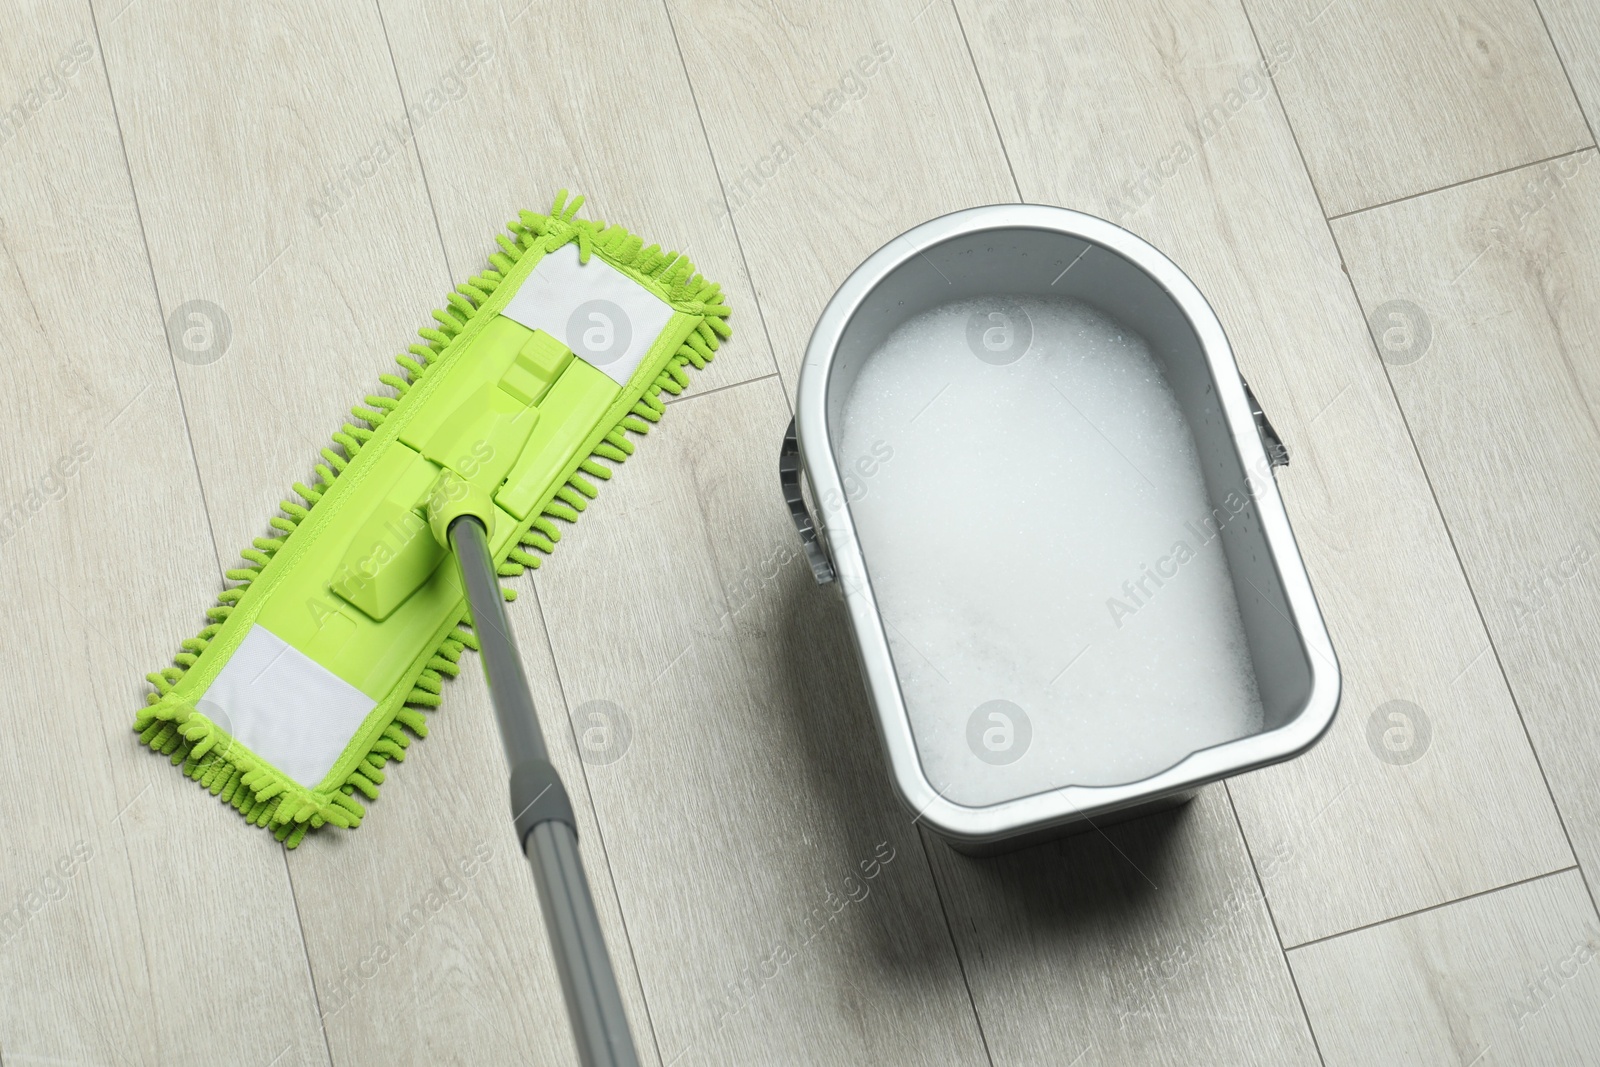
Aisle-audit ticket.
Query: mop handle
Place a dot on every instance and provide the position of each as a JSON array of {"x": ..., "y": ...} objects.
[{"x": 543, "y": 817}]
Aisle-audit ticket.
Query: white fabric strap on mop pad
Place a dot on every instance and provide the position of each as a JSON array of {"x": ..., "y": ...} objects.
[
  {"x": 285, "y": 707},
  {"x": 606, "y": 318}
]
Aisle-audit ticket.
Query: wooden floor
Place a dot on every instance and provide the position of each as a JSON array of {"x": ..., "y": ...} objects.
[{"x": 1393, "y": 206}]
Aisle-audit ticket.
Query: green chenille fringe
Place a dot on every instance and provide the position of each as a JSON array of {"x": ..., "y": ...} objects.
[{"x": 261, "y": 793}]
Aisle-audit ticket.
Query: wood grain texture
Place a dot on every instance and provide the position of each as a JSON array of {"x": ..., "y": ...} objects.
[
  {"x": 777, "y": 894},
  {"x": 523, "y": 127},
  {"x": 1344, "y": 838},
  {"x": 264, "y": 163},
  {"x": 1507, "y": 978},
  {"x": 835, "y": 128},
  {"x": 1575, "y": 29},
  {"x": 1502, "y": 403},
  {"x": 123, "y": 888},
  {"x": 1390, "y": 98},
  {"x": 1149, "y": 943}
]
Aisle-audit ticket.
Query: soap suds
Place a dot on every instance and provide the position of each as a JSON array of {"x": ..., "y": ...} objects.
[{"x": 1042, "y": 537}]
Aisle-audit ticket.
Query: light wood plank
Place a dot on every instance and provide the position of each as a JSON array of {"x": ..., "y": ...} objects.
[
  {"x": 1506, "y": 978},
  {"x": 1343, "y": 837},
  {"x": 1502, "y": 404},
  {"x": 149, "y": 930},
  {"x": 822, "y": 164},
  {"x": 476, "y": 980},
  {"x": 777, "y": 894},
  {"x": 1147, "y": 944},
  {"x": 240, "y": 117},
  {"x": 622, "y": 131},
  {"x": 1575, "y": 28},
  {"x": 1390, "y": 98}
]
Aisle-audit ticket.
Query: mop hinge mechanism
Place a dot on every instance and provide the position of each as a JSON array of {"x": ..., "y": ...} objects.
[{"x": 453, "y": 496}]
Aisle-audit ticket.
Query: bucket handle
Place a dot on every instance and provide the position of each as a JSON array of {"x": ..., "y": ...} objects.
[
  {"x": 789, "y": 468},
  {"x": 789, "y": 478},
  {"x": 1277, "y": 451}
]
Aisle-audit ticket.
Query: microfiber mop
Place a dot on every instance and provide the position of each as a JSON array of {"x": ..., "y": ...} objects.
[{"x": 317, "y": 664}]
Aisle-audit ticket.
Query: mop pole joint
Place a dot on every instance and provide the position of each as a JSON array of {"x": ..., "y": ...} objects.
[{"x": 537, "y": 796}]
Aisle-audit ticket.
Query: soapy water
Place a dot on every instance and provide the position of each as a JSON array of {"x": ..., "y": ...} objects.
[{"x": 1043, "y": 551}]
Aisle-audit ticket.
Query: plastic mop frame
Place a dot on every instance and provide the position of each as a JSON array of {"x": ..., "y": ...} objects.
[{"x": 318, "y": 664}]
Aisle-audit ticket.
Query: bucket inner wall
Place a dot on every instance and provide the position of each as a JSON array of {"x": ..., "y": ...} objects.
[{"x": 1054, "y": 519}]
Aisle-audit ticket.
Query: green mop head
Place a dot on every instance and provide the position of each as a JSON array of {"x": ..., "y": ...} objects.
[{"x": 318, "y": 663}]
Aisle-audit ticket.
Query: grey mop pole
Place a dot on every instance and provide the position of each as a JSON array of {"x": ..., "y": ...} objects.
[{"x": 543, "y": 817}]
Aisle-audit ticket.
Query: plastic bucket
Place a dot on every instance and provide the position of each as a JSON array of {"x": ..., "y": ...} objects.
[{"x": 953, "y": 740}]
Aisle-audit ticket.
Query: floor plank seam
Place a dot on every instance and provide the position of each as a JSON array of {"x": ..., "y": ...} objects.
[
  {"x": 416, "y": 147},
  {"x": 727, "y": 205},
  {"x": 1273, "y": 920},
  {"x": 1455, "y": 185},
  {"x": 311, "y": 970},
  {"x": 155, "y": 290},
  {"x": 695, "y": 394},
  {"x": 1561, "y": 61},
  {"x": 994, "y": 122},
  {"x": 599, "y": 829},
  {"x": 1435, "y": 907},
  {"x": 961, "y": 965}
]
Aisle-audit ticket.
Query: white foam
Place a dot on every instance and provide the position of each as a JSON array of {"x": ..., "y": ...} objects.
[{"x": 1015, "y": 502}]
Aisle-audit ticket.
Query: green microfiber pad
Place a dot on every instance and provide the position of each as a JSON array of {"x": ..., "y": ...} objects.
[{"x": 320, "y": 659}]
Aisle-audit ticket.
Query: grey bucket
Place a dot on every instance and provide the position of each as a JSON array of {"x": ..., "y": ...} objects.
[{"x": 1010, "y": 250}]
